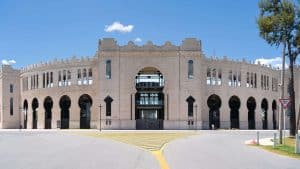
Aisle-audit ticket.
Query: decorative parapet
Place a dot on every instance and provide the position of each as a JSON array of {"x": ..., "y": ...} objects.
[
  {"x": 188, "y": 44},
  {"x": 58, "y": 63},
  {"x": 225, "y": 59}
]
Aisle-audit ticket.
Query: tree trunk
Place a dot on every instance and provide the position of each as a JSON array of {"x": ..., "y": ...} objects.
[{"x": 292, "y": 93}]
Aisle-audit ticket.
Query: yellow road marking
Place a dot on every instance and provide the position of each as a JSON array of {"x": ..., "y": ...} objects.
[{"x": 152, "y": 142}]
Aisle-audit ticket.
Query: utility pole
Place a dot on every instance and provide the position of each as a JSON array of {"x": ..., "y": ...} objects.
[
  {"x": 196, "y": 116},
  {"x": 100, "y": 117},
  {"x": 282, "y": 92}
]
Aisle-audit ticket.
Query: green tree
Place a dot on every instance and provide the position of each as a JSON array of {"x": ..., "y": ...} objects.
[{"x": 278, "y": 24}]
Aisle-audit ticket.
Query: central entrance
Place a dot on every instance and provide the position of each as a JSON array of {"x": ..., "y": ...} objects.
[{"x": 149, "y": 99}]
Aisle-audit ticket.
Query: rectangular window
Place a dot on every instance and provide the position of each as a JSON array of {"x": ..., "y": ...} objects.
[
  {"x": 190, "y": 69},
  {"x": 11, "y": 105},
  {"x": 108, "y": 69},
  {"x": 11, "y": 88}
]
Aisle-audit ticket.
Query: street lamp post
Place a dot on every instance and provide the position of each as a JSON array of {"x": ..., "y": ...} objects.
[
  {"x": 196, "y": 116},
  {"x": 100, "y": 117}
]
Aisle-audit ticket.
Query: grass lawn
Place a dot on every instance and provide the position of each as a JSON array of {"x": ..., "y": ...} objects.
[{"x": 286, "y": 149}]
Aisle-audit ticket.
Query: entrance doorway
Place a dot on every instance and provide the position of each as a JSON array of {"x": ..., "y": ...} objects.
[
  {"x": 85, "y": 103},
  {"x": 35, "y": 105},
  {"x": 214, "y": 104},
  {"x": 64, "y": 103},
  {"x": 48, "y": 104},
  {"x": 264, "y": 113},
  {"x": 149, "y": 99},
  {"x": 234, "y": 104},
  {"x": 251, "y": 105}
]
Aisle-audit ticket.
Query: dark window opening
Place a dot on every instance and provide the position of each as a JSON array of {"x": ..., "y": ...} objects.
[{"x": 108, "y": 101}]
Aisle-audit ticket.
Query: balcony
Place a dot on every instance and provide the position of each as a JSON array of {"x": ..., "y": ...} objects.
[{"x": 149, "y": 85}]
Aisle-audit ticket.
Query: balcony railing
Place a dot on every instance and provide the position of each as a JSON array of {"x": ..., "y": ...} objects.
[
  {"x": 149, "y": 85},
  {"x": 149, "y": 103}
]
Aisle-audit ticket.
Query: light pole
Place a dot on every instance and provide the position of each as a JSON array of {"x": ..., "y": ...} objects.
[
  {"x": 100, "y": 117},
  {"x": 196, "y": 116},
  {"x": 282, "y": 93}
]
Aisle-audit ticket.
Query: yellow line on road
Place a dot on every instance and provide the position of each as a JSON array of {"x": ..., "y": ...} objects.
[{"x": 151, "y": 142}]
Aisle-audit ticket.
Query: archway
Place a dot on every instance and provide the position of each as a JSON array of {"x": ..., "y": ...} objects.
[
  {"x": 251, "y": 105},
  {"x": 264, "y": 113},
  {"x": 85, "y": 102},
  {"x": 48, "y": 104},
  {"x": 64, "y": 103},
  {"x": 274, "y": 112},
  {"x": 25, "y": 111},
  {"x": 34, "y": 105},
  {"x": 149, "y": 99},
  {"x": 214, "y": 104},
  {"x": 234, "y": 104}
]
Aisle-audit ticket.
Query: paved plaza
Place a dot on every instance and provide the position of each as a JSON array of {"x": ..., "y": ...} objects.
[{"x": 87, "y": 149}]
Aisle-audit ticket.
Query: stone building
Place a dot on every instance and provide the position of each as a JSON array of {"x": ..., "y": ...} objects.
[{"x": 142, "y": 87}]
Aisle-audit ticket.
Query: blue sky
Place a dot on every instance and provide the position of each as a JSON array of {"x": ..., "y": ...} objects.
[{"x": 32, "y": 31}]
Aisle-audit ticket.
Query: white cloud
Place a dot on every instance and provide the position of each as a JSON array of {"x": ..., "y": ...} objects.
[
  {"x": 118, "y": 27},
  {"x": 8, "y": 62},
  {"x": 275, "y": 62},
  {"x": 138, "y": 40}
]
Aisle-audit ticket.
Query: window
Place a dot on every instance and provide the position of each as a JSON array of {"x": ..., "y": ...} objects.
[
  {"x": 11, "y": 88},
  {"x": 108, "y": 101},
  {"x": 108, "y": 69},
  {"x": 190, "y": 69},
  {"x": 11, "y": 105},
  {"x": 190, "y": 100}
]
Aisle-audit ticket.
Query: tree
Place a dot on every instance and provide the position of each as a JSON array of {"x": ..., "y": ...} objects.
[{"x": 278, "y": 24}]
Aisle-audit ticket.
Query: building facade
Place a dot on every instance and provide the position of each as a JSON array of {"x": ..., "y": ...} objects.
[{"x": 142, "y": 87}]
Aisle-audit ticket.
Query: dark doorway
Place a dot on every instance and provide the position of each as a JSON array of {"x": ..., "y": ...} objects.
[
  {"x": 190, "y": 100},
  {"x": 34, "y": 105},
  {"x": 234, "y": 104},
  {"x": 64, "y": 103},
  {"x": 85, "y": 102},
  {"x": 251, "y": 105},
  {"x": 25, "y": 111},
  {"x": 48, "y": 104},
  {"x": 149, "y": 99},
  {"x": 274, "y": 110},
  {"x": 264, "y": 113},
  {"x": 214, "y": 104}
]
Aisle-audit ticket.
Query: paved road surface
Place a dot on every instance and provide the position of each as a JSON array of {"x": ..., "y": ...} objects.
[
  {"x": 224, "y": 150},
  {"x": 52, "y": 150},
  {"x": 208, "y": 150}
]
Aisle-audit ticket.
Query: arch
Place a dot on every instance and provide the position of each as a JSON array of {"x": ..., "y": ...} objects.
[
  {"x": 64, "y": 104},
  {"x": 274, "y": 113},
  {"x": 251, "y": 105},
  {"x": 214, "y": 103},
  {"x": 85, "y": 102},
  {"x": 48, "y": 104},
  {"x": 34, "y": 105},
  {"x": 234, "y": 105},
  {"x": 25, "y": 111},
  {"x": 264, "y": 113},
  {"x": 149, "y": 98}
]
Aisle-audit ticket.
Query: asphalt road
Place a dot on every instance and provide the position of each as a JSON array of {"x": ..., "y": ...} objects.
[
  {"x": 208, "y": 150},
  {"x": 53, "y": 150},
  {"x": 224, "y": 150}
]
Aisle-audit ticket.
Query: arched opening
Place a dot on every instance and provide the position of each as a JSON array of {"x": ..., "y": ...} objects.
[
  {"x": 34, "y": 105},
  {"x": 85, "y": 102},
  {"x": 274, "y": 112},
  {"x": 48, "y": 104},
  {"x": 25, "y": 111},
  {"x": 149, "y": 98},
  {"x": 64, "y": 104},
  {"x": 234, "y": 104},
  {"x": 214, "y": 104},
  {"x": 264, "y": 113},
  {"x": 251, "y": 105}
]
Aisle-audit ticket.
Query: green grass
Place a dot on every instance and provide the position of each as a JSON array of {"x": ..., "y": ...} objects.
[{"x": 286, "y": 149}]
